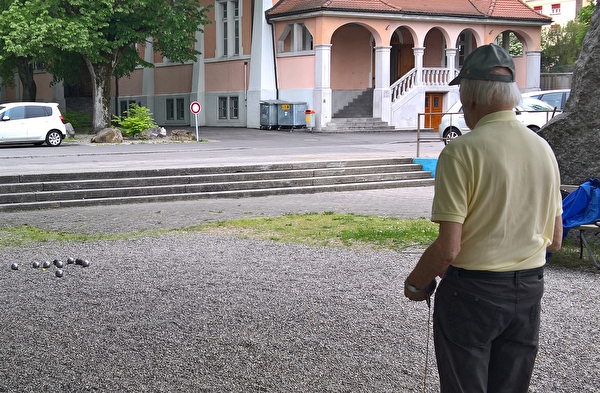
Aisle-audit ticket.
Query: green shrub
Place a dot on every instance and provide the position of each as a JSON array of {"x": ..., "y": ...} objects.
[
  {"x": 138, "y": 120},
  {"x": 78, "y": 119}
]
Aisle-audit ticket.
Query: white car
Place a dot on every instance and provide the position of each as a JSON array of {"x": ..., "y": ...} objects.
[
  {"x": 530, "y": 111},
  {"x": 31, "y": 122},
  {"x": 555, "y": 98}
]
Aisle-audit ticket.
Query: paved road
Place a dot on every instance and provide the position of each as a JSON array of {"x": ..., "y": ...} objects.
[{"x": 224, "y": 147}]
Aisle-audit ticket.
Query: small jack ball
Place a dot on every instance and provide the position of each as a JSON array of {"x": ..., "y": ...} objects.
[
  {"x": 85, "y": 263},
  {"x": 70, "y": 261},
  {"x": 59, "y": 264},
  {"x": 35, "y": 265},
  {"x": 59, "y": 273},
  {"x": 14, "y": 266},
  {"x": 46, "y": 264}
]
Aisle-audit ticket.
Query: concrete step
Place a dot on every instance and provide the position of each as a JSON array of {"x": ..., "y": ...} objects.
[
  {"x": 94, "y": 188},
  {"x": 365, "y": 124}
]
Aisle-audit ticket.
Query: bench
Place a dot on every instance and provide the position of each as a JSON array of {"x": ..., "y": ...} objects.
[{"x": 592, "y": 229}]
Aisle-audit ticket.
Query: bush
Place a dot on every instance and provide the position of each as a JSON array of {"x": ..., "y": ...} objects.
[
  {"x": 138, "y": 120},
  {"x": 77, "y": 119}
]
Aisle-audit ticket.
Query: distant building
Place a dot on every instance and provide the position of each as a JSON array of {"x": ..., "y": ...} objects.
[
  {"x": 399, "y": 54},
  {"x": 561, "y": 12}
]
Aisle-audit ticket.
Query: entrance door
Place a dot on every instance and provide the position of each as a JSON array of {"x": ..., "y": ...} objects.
[{"x": 434, "y": 104}]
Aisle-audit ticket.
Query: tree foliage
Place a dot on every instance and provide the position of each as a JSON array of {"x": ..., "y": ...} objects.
[
  {"x": 104, "y": 34},
  {"x": 561, "y": 45}
]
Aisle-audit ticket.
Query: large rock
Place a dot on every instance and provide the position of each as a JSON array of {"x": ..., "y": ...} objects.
[
  {"x": 108, "y": 135},
  {"x": 183, "y": 135},
  {"x": 575, "y": 134}
]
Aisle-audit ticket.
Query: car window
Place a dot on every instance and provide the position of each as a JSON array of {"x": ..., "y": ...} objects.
[
  {"x": 16, "y": 113},
  {"x": 553, "y": 99},
  {"x": 37, "y": 111},
  {"x": 533, "y": 104}
]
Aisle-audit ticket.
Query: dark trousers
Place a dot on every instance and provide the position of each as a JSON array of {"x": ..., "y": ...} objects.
[{"x": 486, "y": 329}]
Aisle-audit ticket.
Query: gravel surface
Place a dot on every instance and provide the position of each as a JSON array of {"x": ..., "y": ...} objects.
[{"x": 194, "y": 312}]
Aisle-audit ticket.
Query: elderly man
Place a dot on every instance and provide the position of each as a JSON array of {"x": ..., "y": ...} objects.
[{"x": 498, "y": 204}]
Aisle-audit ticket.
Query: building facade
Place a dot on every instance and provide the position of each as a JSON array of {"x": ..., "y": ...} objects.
[{"x": 325, "y": 53}]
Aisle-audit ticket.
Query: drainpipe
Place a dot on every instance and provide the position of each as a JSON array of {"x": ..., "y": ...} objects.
[{"x": 274, "y": 59}]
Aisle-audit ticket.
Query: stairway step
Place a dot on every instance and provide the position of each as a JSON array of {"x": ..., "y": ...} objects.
[{"x": 93, "y": 188}]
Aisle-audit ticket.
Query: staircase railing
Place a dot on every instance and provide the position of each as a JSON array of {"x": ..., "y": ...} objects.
[
  {"x": 436, "y": 76},
  {"x": 404, "y": 84}
]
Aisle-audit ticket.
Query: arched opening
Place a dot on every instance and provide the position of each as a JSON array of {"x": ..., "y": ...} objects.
[{"x": 402, "y": 57}]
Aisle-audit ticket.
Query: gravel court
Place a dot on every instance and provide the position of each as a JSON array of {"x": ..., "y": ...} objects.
[{"x": 194, "y": 312}]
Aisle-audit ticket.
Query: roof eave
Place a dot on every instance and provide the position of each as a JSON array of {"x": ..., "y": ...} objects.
[{"x": 405, "y": 15}]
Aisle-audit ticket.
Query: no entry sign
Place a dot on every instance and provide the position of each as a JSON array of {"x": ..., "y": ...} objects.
[{"x": 195, "y": 107}]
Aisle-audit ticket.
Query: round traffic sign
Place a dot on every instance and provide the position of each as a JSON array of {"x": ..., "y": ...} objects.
[{"x": 195, "y": 107}]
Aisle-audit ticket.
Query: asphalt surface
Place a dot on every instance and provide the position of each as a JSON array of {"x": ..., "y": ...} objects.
[{"x": 224, "y": 146}]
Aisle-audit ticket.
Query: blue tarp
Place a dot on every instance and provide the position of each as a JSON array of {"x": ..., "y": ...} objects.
[{"x": 582, "y": 206}]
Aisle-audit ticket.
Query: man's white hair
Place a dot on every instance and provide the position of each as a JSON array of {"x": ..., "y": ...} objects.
[{"x": 489, "y": 93}]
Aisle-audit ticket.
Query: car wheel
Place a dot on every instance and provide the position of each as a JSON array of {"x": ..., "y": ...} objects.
[
  {"x": 450, "y": 133},
  {"x": 533, "y": 128},
  {"x": 54, "y": 138}
]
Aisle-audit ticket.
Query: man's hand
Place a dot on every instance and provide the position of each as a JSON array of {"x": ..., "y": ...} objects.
[{"x": 413, "y": 293}]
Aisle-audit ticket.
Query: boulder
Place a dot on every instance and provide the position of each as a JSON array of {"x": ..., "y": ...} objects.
[
  {"x": 108, "y": 135},
  {"x": 183, "y": 135},
  {"x": 155, "y": 133},
  {"x": 70, "y": 129},
  {"x": 575, "y": 134}
]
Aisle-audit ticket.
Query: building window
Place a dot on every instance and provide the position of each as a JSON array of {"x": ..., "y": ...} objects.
[
  {"x": 538, "y": 9},
  {"x": 229, "y": 17},
  {"x": 229, "y": 108},
  {"x": 175, "y": 109},
  {"x": 463, "y": 46},
  {"x": 295, "y": 38},
  {"x": 555, "y": 9},
  {"x": 125, "y": 105}
]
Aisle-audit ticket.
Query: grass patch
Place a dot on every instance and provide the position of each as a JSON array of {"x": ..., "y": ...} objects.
[
  {"x": 330, "y": 229},
  {"x": 25, "y": 235}
]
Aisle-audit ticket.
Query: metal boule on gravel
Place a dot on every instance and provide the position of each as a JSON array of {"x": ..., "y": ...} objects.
[
  {"x": 85, "y": 263},
  {"x": 59, "y": 264},
  {"x": 70, "y": 260},
  {"x": 59, "y": 273},
  {"x": 14, "y": 266},
  {"x": 46, "y": 264},
  {"x": 78, "y": 261},
  {"x": 35, "y": 265}
]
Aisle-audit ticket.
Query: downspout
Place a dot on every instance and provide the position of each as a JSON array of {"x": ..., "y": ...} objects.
[{"x": 274, "y": 58}]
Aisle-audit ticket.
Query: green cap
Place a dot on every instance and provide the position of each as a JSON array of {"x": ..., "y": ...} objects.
[{"x": 480, "y": 63}]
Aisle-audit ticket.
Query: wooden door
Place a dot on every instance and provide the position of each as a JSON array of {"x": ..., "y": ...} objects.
[{"x": 434, "y": 104}]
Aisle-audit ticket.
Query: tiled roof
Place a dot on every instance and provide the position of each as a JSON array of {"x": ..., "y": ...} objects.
[{"x": 501, "y": 9}]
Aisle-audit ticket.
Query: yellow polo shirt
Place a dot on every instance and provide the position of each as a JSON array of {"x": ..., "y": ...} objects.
[{"x": 501, "y": 182}]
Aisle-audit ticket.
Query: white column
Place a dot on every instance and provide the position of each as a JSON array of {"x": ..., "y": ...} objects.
[
  {"x": 451, "y": 62},
  {"x": 322, "y": 93},
  {"x": 419, "y": 65},
  {"x": 148, "y": 76},
  {"x": 382, "y": 97},
  {"x": 262, "y": 85},
  {"x": 534, "y": 64},
  {"x": 198, "y": 82}
]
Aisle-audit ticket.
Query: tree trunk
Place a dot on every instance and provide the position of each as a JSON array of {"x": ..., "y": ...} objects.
[
  {"x": 25, "y": 68},
  {"x": 101, "y": 75}
]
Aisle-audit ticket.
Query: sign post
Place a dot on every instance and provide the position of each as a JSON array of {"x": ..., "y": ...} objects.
[{"x": 195, "y": 108}]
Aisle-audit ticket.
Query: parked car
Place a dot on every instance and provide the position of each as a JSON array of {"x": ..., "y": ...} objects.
[
  {"x": 530, "y": 111},
  {"x": 555, "y": 98},
  {"x": 31, "y": 122}
]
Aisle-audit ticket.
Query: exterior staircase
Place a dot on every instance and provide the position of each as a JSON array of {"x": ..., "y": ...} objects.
[
  {"x": 357, "y": 116},
  {"x": 55, "y": 190}
]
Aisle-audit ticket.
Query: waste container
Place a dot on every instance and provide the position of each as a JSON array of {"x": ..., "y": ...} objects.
[
  {"x": 268, "y": 114},
  {"x": 310, "y": 118},
  {"x": 291, "y": 115}
]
